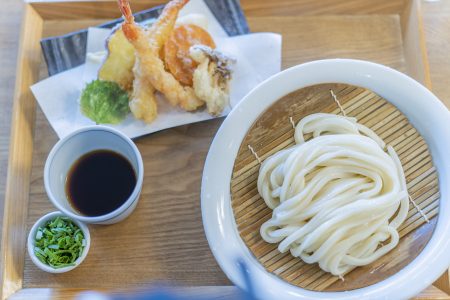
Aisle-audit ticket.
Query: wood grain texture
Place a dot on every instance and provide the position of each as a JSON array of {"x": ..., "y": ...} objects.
[
  {"x": 436, "y": 18},
  {"x": 98, "y": 9},
  {"x": 55, "y": 9},
  {"x": 272, "y": 131},
  {"x": 414, "y": 43},
  {"x": 432, "y": 293},
  {"x": 443, "y": 282},
  {"x": 10, "y": 25},
  {"x": 322, "y": 7},
  {"x": 331, "y": 36},
  {"x": 436, "y": 22},
  {"x": 21, "y": 147}
]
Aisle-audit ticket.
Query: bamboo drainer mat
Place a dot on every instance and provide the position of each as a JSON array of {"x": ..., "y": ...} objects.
[{"x": 274, "y": 131}]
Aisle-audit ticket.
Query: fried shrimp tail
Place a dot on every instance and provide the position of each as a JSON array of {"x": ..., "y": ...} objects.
[
  {"x": 143, "y": 101},
  {"x": 128, "y": 24},
  {"x": 148, "y": 43}
]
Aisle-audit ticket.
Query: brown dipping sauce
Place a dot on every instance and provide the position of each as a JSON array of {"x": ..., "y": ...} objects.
[{"x": 99, "y": 182}]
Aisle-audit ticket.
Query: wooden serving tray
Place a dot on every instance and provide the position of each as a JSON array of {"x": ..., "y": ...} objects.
[{"x": 163, "y": 239}]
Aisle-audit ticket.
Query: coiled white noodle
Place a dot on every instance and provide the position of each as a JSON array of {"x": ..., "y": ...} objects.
[{"x": 335, "y": 198}]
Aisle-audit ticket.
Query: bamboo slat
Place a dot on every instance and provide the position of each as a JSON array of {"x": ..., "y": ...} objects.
[{"x": 273, "y": 131}]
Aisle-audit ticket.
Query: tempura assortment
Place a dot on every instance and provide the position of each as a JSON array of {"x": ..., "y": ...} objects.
[{"x": 175, "y": 57}]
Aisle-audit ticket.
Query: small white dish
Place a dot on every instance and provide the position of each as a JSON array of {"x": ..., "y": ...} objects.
[
  {"x": 66, "y": 152},
  {"x": 32, "y": 237},
  {"x": 428, "y": 115}
]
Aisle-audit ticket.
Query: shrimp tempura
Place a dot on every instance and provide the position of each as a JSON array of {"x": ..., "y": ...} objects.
[{"x": 148, "y": 43}]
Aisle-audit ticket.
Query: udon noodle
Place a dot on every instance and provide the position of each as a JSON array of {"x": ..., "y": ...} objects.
[{"x": 337, "y": 198}]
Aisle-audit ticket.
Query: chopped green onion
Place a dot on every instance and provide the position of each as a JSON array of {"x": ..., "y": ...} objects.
[
  {"x": 59, "y": 243},
  {"x": 38, "y": 235}
]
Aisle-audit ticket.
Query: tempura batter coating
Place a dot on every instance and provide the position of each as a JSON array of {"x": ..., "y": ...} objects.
[
  {"x": 212, "y": 77},
  {"x": 148, "y": 43}
]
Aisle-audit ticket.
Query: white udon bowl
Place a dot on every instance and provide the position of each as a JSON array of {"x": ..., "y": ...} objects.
[
  {"x": 73, "y": 146},
  {"x": 428, "y": 115}
]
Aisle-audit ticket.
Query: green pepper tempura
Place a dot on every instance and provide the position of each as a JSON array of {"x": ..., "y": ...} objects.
[{"x": 59, "y": 243}]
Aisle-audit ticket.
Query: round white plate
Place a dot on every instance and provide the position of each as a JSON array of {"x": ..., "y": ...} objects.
[{"x": 428, "y": 115}]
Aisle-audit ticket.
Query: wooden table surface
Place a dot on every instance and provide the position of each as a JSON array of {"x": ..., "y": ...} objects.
[{"x": 436, "y": 24}]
